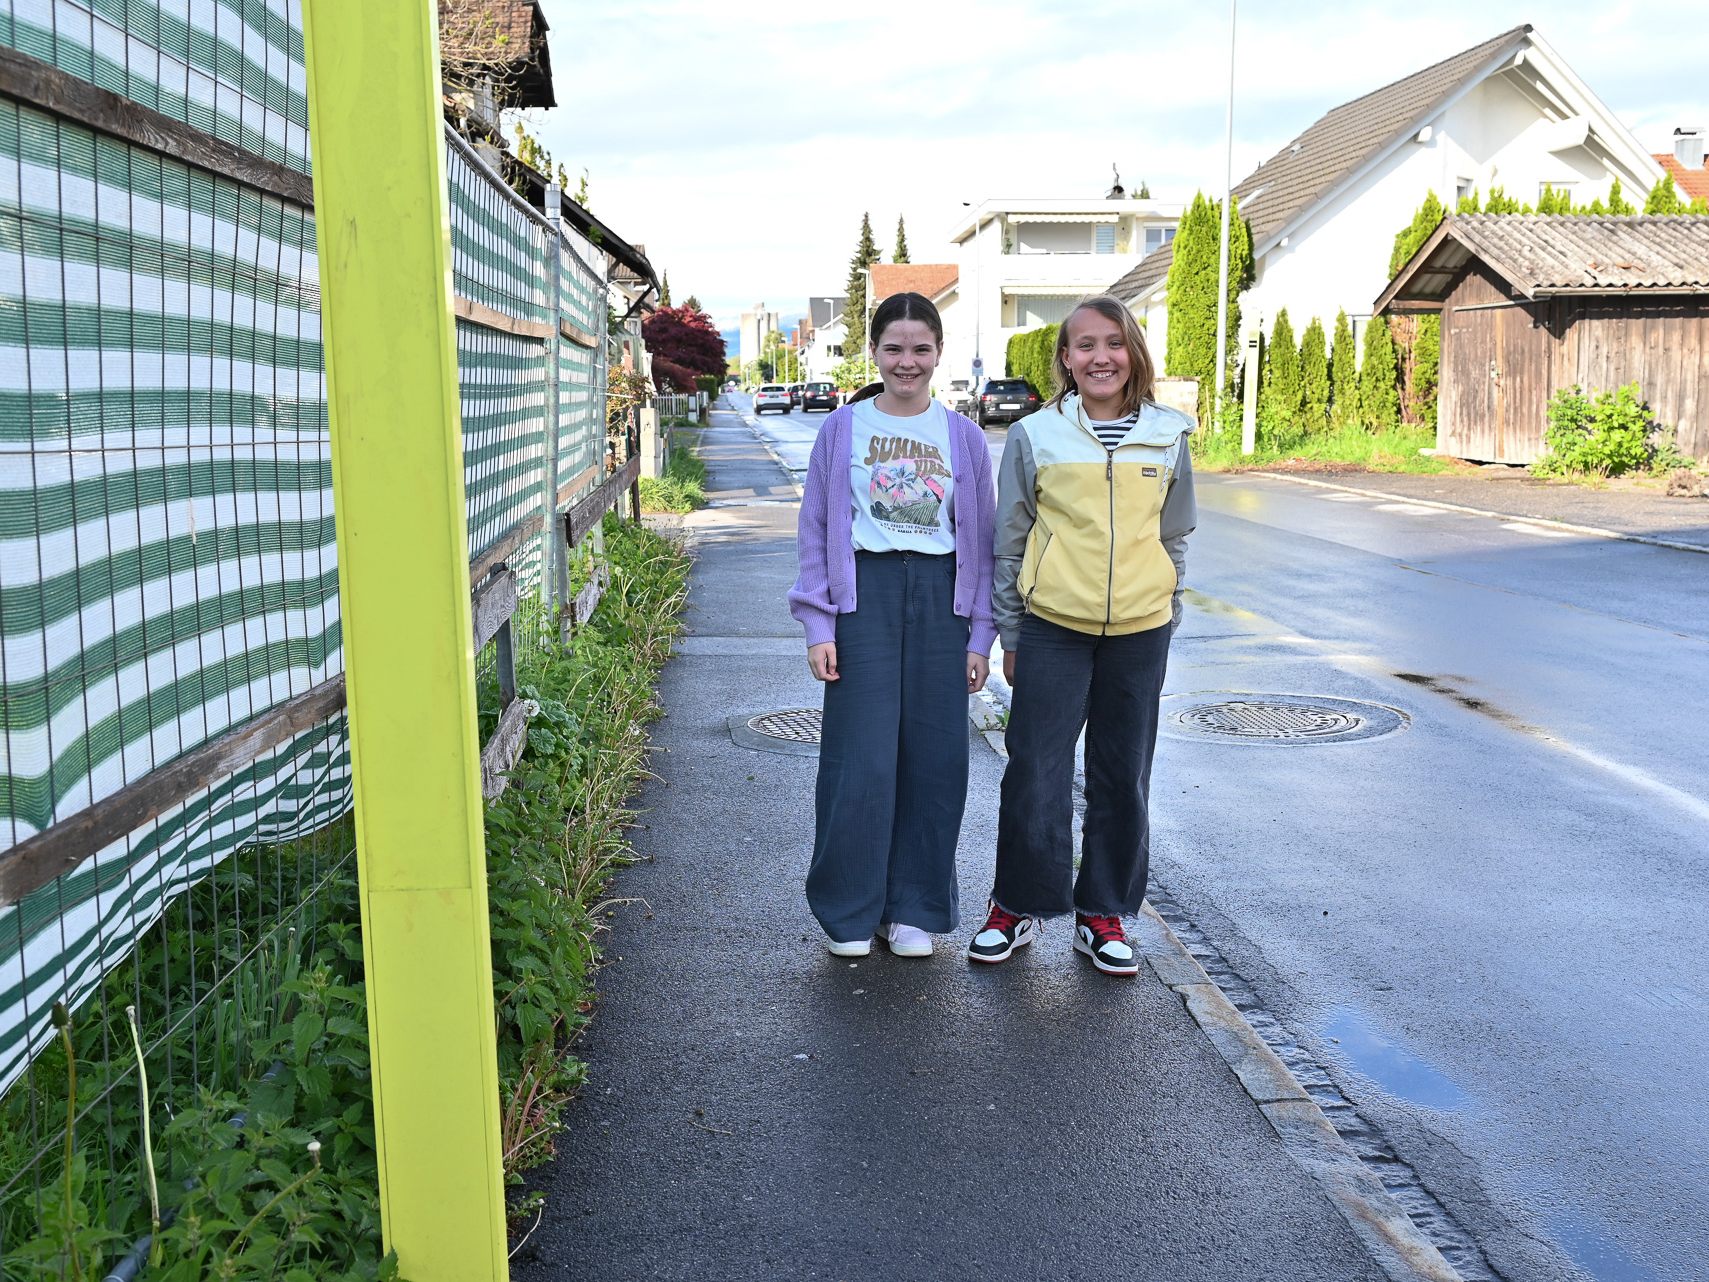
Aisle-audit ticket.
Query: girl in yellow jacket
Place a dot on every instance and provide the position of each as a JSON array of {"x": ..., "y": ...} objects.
[{"x": 1094, "y": 505}]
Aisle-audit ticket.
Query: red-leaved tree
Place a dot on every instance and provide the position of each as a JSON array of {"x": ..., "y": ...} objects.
[
  {"x": 684, "y": 338},
  {"x": 669, "y": 376}
]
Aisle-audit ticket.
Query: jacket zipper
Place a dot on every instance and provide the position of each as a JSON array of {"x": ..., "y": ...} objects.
[{"x": 1110, "y": 578}]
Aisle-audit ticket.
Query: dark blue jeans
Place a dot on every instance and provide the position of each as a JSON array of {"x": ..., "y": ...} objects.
[
  {"x": 1066, "y": 681},
  {"x": 893, "y": 753}
]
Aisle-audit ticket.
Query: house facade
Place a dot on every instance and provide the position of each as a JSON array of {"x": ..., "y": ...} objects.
[
  {"x": 941, "y": 283},
  {"x": 1324, "y": 210},
  {"x": 1022, "y": 263}
]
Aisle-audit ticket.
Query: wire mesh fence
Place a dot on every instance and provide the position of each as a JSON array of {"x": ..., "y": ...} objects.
[{"x": 168, "y": 563}]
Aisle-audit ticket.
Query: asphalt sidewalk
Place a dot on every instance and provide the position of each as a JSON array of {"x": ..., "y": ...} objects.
[{"x": 758, "y": 1109}]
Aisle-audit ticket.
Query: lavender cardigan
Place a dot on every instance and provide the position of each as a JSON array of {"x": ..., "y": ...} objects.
[{"x": 825, "y": 536}]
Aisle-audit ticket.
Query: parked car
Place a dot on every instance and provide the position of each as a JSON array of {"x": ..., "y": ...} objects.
[
  {"x": 771, "y": 396},
  {"x": 820, "y": 396},
  {"x": 959, "y": 396},
  {"x": 1006, "y": 399},
  {"x": 795, "y": 394}
]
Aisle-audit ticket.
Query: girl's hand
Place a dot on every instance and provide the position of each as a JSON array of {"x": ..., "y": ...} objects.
[
  {"x": 978, "y": 668},
  {"x": 822, "y": 661},
  {"x": 1009, "y": 667}
]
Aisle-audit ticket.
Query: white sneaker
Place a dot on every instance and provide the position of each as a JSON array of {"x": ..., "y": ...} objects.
[
  {"x": 906, "y": 941},
  {"x": 849, "y": 948}
]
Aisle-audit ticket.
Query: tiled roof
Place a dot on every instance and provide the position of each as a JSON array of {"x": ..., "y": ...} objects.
[
  {"x": 930, "y": 279},
  {"x": 1544, "y": 254},
  {"x": 1689, "y": 182},
  {"x": 1308, "y": 169}
]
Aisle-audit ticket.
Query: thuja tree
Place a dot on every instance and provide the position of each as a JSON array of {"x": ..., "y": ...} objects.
[
  {"x": 1314, "y": 379},
  {"x": 1379, "y": 379},
  {"x": 901, "y": 254},
  {"x": 1192, "y": 294},
  {"x": 1418, "y": 339},
  {"x": 1279, "y": 395},
  {"x": 1343, "y": 375},
  {"x": 854, "y": 310}
]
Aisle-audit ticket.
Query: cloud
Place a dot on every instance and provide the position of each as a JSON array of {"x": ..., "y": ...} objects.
[{"x": 741, "y": 142}]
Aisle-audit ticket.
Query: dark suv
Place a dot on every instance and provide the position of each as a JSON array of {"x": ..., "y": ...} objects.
[
  {"x": 819, "y": 396},
  {"x": 1004, "y": 400}
]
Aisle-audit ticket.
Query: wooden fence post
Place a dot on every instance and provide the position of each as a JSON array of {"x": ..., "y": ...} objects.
[{"x": 382, "y": 221}]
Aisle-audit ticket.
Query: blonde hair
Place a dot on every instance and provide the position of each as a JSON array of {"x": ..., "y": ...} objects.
[{"x": 1141, "y": 385}]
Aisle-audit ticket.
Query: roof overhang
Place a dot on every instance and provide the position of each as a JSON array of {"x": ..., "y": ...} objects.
[{"x": 1112, "y": 216}]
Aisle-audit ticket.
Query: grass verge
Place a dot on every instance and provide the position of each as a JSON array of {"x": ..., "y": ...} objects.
[
  {"x": 681, "y": 489},
  {"x": 1395, "y": 451},
  {"x": 275, "y": 1176}
]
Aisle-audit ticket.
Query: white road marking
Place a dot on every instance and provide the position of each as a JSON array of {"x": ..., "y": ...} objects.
[
  {"x": 1343, "y": 498},
  {"x": 1542, "y": 531},
  {"x": 1411, "y": 509}
]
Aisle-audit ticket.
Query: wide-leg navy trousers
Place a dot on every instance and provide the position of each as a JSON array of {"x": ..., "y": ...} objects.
[
  {"x": 1065, "y": 682},
  {"x": 893, "y": 753}
]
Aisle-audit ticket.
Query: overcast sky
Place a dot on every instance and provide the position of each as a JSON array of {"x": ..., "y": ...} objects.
[{"x": 740, "y": 142}]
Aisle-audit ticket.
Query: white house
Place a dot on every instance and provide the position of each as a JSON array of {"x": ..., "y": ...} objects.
[
  {"x": 1324, "y": 210},
  {"x": 822, "y": 334},
  {"x": 1024, "y": 262}
]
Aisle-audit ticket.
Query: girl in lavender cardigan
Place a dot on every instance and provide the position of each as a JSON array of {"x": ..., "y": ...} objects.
[{"x": 895, "y": 540}]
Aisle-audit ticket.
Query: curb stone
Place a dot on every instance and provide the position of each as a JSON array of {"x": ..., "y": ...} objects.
[
  {"x": 1594, "y": 531},
  {"x": 1381, "y": 1224}
]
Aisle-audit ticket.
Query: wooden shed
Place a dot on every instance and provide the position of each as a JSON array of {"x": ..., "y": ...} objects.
[{"x": 1534, "y": 303}]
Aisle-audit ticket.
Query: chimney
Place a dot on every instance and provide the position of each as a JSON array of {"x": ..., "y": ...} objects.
[{"x": 1688, "y": 144}]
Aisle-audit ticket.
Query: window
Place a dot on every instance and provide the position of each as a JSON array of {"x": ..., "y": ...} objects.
[
  {"x": 1157, "y": 237},
  {"x": 1104, "y": 238},
  {"x": 1033, "y": 310},
  {"x": 1464, "y": 188},
  {"x": 1560, "y": 190}
]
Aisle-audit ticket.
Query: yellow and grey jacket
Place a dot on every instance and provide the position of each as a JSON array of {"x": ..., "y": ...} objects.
[{"x": 1088, "y": 538}]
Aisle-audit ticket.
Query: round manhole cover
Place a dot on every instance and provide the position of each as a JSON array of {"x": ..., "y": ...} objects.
[
  {"x": 793, "y": 725},
  {"x": 1276, "y": 718}
]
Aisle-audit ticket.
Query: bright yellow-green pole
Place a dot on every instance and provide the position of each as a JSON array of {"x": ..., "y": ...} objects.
[{"x": 383, "y": 229}]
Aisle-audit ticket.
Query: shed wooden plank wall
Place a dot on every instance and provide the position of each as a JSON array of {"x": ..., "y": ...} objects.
[{"x": 1500, "y": 364}]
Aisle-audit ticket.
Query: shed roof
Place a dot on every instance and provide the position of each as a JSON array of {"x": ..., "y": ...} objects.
[
  {"x": 1541, "y": 255},
  {"x": 1317, "y": 162}
]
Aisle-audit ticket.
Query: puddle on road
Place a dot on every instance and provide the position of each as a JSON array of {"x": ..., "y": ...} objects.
[
  {"x": 1355, "y": 1040},
  {"x": 1596, "y": 1252}
]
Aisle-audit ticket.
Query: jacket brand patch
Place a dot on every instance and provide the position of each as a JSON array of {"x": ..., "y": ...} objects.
[{"x": 1148, "y": 471}]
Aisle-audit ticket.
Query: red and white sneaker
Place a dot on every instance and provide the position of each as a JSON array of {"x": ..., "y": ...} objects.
[
  {"x": 1103, "y": 940},
  {"x": 1002, "y": 933}
]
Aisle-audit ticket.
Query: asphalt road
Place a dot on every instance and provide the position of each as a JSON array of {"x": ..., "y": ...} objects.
[{"x": 1488, "y": 927}]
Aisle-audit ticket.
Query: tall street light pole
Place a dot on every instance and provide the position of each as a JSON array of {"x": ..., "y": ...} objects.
[{"x": 1222, "y": 247}]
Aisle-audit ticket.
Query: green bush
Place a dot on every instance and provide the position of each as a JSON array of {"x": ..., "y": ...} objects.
[
  {"x": 1379, "y": 379},
  {"x": 1314, "y": 380},
  {"x": 1343, "y": 375},
  {"x": 1032, "y": 356},
  {"x": 1602, "y": 436},
  {"x": 1280, "y": 393}
]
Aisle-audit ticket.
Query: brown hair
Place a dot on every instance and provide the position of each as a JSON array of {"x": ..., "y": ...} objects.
[
  {"x": 916, "y": 307},
  {"x": 866, "y": 393},
  {"x": 1141, "y": 385}
]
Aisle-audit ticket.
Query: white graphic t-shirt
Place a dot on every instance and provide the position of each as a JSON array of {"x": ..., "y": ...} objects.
[{"x": 899, "y": 477}]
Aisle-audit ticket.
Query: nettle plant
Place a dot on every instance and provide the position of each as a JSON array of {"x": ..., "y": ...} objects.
[{"x": 1602, "y": 435}]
